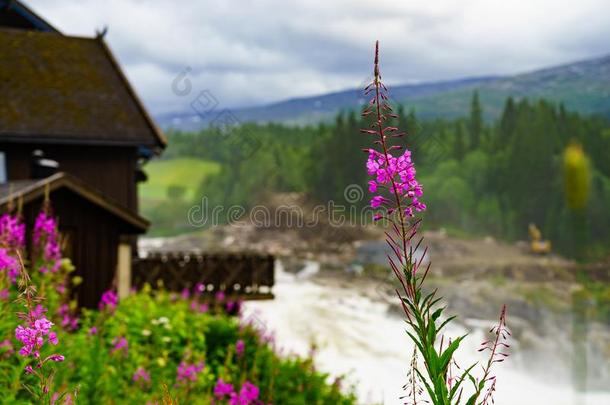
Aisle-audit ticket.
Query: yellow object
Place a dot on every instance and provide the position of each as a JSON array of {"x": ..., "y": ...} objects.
[
  {"x": 577, "y": 177},
  {"x": 537, "y": 245}
]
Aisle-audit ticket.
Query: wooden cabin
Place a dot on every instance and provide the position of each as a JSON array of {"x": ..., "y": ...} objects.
[
  {"x": 93, "y": 228},
  {"x": 70, "y": 122}
]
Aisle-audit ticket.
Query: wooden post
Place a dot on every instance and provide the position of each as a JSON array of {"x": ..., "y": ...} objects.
[{"x": 124, "y": 269}]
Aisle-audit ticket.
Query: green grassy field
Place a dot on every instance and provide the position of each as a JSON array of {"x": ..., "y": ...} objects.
[{"x": 183, "y": 172}]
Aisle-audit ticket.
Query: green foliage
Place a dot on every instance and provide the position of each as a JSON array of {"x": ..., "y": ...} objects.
[
  {"x": 476, "y": 121},
  {"x": 493, "y": 178},
  {"x": 162, "y": 331},
  {"x": 171, "y": 190},
  {"x": 186, "y": 173}
]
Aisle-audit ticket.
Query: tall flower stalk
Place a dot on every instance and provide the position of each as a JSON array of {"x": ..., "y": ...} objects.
[
  {"x": 34, "y": 334},
  {"x": 396, "y": 199}
]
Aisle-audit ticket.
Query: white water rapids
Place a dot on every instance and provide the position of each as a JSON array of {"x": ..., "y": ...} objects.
[{"x": 359, "y": 337}]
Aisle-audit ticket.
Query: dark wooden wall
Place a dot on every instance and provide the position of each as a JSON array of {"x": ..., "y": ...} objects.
[
  {"x": 110, "y": 169},
  {"x": 93, "y": 235}
]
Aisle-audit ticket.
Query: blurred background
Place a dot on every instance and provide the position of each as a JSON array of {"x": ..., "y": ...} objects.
[{"x": 507, "y": 112}]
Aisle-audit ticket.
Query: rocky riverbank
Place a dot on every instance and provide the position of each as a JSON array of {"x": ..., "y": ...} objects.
[{"x": 560, "y": 330}]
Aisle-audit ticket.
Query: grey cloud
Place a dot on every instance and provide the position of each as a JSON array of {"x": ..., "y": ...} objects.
[{"x": 253, "y": 52}]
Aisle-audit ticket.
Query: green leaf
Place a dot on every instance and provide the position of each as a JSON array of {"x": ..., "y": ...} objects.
[
  {"x": 437, "y": 313},
  {"x": 417, "y": 343},
  {"x": 428, "y": 388},
  {"x": 451, "y": 318},
  {"x": 448, "y": 353}
]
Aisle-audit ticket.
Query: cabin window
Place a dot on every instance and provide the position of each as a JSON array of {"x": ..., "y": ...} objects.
[{"x": 2, "y": 167}]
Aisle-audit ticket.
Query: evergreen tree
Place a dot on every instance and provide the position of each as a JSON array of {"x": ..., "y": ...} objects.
[
  {"x": 476, "y": 121},
  {"x": 506, "y": 127},
  {"x": 459, "y": 148}
]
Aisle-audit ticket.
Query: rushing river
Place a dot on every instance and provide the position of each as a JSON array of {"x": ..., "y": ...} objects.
[{"x": 357, "y": 336}]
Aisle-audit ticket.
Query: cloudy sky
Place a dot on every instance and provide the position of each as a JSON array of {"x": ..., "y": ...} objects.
[{"x": 249, "y": 52}]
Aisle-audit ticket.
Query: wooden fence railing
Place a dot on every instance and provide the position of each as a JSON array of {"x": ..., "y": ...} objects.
[{"x": 247, "y": 275}]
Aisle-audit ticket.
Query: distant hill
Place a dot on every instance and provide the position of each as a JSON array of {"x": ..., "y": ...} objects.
[{"x": 582, "y": 86}]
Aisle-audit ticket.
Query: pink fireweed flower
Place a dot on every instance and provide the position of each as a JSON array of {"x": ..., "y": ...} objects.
[
  {"x": 9, "y": 265},
  {"x": 196, "y": 306},
  {"x": 46, "y": 242},
  {"x": 397, "y": 174},
  {"x": 377, "y": 201},
  {"x": 69, "y": 321},
  {"x": 92, "y": 331},
  {"x": 198, "y": 289},
  {"x": 60, "y": 288},
  {"x": 4, "y": 295},
  {"x": 391, "y": 172},
  {"x": 37, "y": 312},
  {"x": 120, "y": 344},
  {"x": 56, "y": 357},
  {"x": 248, "y": 394},
  {"x": 372, "y": 186},
  {"x": 219, "y": 296},
  {"x": 12, "y": 231},
  {"x": 141, "y": 376},
  {"x": 33, "y": 337},
  {"x": 188, "y": 372},
  {"x": 240, "y": 347},
  {"x": 223, "y": 389},
  {"x": 109, "y": 301}
]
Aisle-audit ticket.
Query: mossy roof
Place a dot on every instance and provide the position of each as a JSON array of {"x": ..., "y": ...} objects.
[{"x": 56, "y": 88}]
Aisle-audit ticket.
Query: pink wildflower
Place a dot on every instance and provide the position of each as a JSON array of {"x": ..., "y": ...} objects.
[
  {"x": 68, "y": 320},
  {"x": 396, "y": 173},
  {"x": 46, "y": 242},
  {"x": 9, "y": 264},
  {"x": 38, "y": 311},
  {"x": 188, "y": 372},
  {"x": 32, "y": 337},
  {"x": 12, "y": 231},
  {"x": 120, "y": 344},
  {"x": 198, "y": 289},
  {"x": 141, "y": 376},
  {"x": 240, "y": 347},
  {"x": 223, "y": 389},
  {"x": 56, "y": 357},
  {"x": 108, "y": 301},
  {"x": 60, "y": 288},
  {"x": 372, "y": 186},
  {"x": 220, "y": 296},
  {"x": 248, "y": 394}
]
